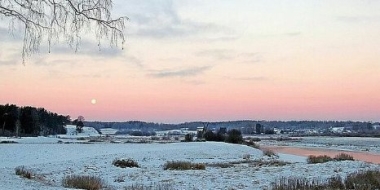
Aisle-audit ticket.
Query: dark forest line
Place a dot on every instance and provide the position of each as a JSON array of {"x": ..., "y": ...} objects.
[{"x": 30, "y": 121}]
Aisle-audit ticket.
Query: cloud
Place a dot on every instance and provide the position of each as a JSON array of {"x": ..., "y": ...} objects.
[
  {"x": 42, "y": 61},
  {"x": 180, "y": 73},
  {"x": 260, "y": 78},
  {"x": 228, "y": 54},
  {"x": 220, "y": 54},
  {"x": 160, "y": 19},
  {"x": 249, "y": 58},
  {"x": 86, "y": 47},
  {"x": 134, "y": 60},
  {"x": 292, "y": 34},
  {"x": 11, "y": 58},
  {"x": 7, "y": 35},
  {"x": 8, "y": 62},
  {"x": 194, "y": 82},
  {"x": 358, "y": 19}
]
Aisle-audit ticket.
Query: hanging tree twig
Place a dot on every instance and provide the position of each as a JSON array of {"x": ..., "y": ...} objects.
[{"x": 54, "y": 19}]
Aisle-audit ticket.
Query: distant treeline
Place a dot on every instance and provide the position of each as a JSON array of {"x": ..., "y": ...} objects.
[
  {"x": 245, "y": 126},
  {"x": 30, "y": 121}
]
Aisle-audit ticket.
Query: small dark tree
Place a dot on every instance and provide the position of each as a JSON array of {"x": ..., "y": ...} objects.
[
  {"x": 209, "y": 135},
  {"x": 220, "y": 136},
  {"x": 80, "y": 124},
  {"x": 234, "y": 136},
  {"x": 259, "y": 128},
  {"x": 189, "y": 137},
  {"x": 269, "y": 131}
]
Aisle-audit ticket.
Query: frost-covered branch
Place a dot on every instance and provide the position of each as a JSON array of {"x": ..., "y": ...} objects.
[{"x": 70, "y": 19}]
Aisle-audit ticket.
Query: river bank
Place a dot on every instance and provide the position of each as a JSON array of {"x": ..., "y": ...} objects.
[{"x": 307, "y": 151}]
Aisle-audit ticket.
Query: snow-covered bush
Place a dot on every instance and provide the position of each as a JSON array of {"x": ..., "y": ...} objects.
[
  {"x": 23, "y": 172},
  {"x": 125, "y": 163},
  {"x": 155, "y": 186},
  {"x": 183, "y": 165},
  {"x": 269, "y": 153}
]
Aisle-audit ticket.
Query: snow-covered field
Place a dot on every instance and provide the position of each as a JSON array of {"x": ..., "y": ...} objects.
[
  {"x": 338, "y": 143},
  {"x": 52, "y": 161}
]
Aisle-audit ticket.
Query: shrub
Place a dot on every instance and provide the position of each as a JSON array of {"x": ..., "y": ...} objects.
[
  {"x": 234, "y": 136},
  {"x": 248, "y": 142},
  {"x": 252, "y": 144},
  {"x": 83, "y": 182},
  {"x": 292, "y": 183},
  {"x": 154, "y": 138},
  {"x": 23, "y": 172},
  {"x": 124, "y": 163},
  {"x": 275, "y": 163},
  {"x": 159, "y": 186},
  {"x": 221, "y": 165},
  {"x": 183, "y": 165},
  {"x": 209, "y": 136},
  {"x": 8, "y": 142},
  {"x": 255, "y": 139},
  {"x": 318, "y": 159},
  {"x": 363, "y": 180},
  {"x": 295, "y": 183},
  {"x": 269, "y": 153},
  {"x": 335, "y": 182},
  {"x": 343, "y": 156},
  {"x": 188, "y": 137}
]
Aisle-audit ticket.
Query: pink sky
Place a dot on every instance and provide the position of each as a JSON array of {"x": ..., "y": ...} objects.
[{"x": 195, "y": 60}]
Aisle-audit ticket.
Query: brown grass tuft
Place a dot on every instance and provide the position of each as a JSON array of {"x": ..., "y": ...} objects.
[
  {"x": 83, "y": 182},
  {"x": 183, "y": 165}
]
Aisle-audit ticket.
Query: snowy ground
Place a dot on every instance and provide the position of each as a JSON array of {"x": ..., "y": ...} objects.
[
  {"x": 52, "y": 161},
  {"x": 339, "y": 143}
]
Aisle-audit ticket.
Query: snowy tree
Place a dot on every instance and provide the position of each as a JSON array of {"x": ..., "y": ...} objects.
[{"x": 56, "y": 19}]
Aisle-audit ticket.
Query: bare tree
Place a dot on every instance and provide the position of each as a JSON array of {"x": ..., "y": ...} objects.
[{"x": 68, "y": 19}]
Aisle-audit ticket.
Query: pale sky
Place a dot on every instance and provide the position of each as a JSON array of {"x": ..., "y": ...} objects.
[{"x": 214, "y": 60}]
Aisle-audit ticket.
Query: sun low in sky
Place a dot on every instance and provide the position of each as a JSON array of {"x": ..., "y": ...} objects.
[{"x": 211, "y": 61}]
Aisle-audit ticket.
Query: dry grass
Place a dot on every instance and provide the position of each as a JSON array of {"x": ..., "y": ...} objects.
[
  {"x": 159, "y": 186},
  {"x": 324, "y": 158},
  {"x": 23, "y": 172},
  {"x": 183, "y": 165},
  {"x": 251, "y": 163},
  {"x": 269, "y": 153},
  {"x": 124, "y": 163},
  {"x": 251, "y": 143},
  {"x": 83, "y": 182},
  {"x": 268, "y": 163},
  {"x": 318, "y": 159},
  {"x": 221, "y": 165},
  {"x": 364, "y": 180},
  {"x": 343, "y": 156},
  {"x": 294, "y": 183}
]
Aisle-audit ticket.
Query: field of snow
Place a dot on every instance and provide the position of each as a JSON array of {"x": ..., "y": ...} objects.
[
  {"x": 52, "y": 161},
  {"x": 338, "y": 143}
]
